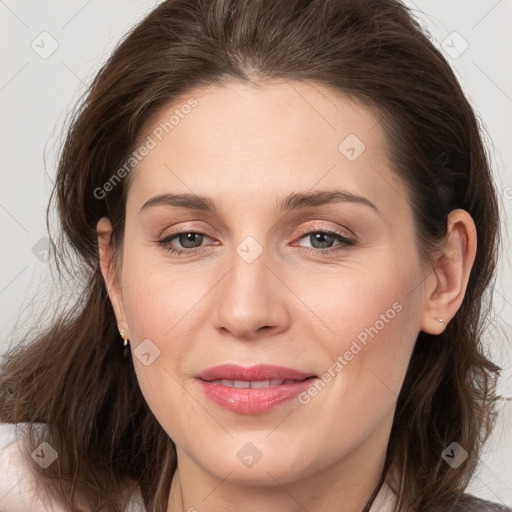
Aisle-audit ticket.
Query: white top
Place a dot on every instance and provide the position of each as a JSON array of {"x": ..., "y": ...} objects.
[{"x": 17, "y": 483}]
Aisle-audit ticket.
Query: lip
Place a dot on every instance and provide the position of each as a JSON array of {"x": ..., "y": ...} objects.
[
  {"x": 253, "y": 400},
  {"x": 256, "y": 372}
]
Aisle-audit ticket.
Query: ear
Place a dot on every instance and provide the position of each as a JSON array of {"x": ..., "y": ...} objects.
[
  {"x": 112, "y": 280},
  {"x": 447, "y": 283}
]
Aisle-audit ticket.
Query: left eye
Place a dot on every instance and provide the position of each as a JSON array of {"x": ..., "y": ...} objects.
[{"x": 325, "y": 239}]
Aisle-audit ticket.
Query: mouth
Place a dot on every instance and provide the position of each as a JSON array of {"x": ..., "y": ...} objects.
[
  {"x": 255, "y": 389},
  {"x": 253, "y": 384},
  {"x": 260, "y": 374}
]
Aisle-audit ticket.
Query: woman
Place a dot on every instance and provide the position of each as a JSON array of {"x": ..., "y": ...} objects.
[{"x": 277, "y": 206}]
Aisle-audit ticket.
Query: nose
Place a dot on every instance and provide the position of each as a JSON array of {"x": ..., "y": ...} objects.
[{"x": 251, "y": 300}]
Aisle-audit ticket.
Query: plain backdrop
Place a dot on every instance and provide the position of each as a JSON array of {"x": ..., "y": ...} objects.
[{"x": 52, "y": 49}]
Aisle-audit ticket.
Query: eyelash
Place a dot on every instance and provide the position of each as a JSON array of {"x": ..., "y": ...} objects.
[{"x": 345, "y": 243}]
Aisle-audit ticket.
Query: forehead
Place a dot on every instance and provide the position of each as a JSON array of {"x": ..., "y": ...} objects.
[{"x": 273, "y": 137}]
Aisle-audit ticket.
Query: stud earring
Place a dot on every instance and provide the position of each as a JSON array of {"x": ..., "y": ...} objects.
[
  {"x": 126, "y": 349},
  {"x": 440, "y": 320}
]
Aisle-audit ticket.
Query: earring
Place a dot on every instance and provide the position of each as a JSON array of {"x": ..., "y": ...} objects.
[
  {"x": 440, "y": 320},
  {"x": 126, "y": 341}
]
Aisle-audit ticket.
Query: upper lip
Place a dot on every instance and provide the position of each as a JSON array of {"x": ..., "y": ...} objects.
[{"x": 253, "y": 373}]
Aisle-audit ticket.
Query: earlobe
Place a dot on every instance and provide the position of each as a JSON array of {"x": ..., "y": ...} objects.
[
  {"x": 105, "y": 248},
  {"x": 447, "y": 283}
]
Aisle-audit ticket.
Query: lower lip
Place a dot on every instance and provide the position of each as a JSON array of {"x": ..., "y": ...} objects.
[{"x": 253, "y": 400}]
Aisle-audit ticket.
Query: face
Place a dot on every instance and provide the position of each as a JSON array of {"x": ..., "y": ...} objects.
[{"x": 303, "y": 257}]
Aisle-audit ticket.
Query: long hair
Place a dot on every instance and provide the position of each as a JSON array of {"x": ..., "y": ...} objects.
[{"x": 72, "y": 381}]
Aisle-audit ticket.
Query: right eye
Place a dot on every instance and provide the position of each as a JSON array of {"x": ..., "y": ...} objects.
[{"x": 188, "y": 239}]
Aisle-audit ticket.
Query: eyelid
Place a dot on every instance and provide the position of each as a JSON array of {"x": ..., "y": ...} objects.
[
  {"x": 322, "y": 227},
  {"x": 185, "y": 227},
  {"x": 301, "y": 232},
  {"x": 174, "y": 234}
]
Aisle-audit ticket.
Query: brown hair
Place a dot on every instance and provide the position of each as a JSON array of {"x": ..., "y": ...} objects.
[{"x": 73, "y": 378}]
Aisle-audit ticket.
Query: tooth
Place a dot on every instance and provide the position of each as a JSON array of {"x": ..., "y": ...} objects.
[
  {"x": 260, "y": 383},
  {"x": 241, "y": 384}
]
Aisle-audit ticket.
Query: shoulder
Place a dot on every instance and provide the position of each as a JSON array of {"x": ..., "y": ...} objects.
[
  {"x": 17, "y": 482},
  {"x": 386, "y": 501},
  {"x": 468, "y": 503}
]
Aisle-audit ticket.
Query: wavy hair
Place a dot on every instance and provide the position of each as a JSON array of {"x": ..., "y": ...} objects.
[{"x": 72, "y": 379}]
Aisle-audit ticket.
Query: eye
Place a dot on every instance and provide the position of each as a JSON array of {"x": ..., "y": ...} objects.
[
  {"x": 189, "y": 240},
  {"x": 324, "y": 239}
]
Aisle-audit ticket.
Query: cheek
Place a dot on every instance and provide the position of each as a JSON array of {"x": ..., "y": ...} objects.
[
  {"x": 157, "y": 301},
  {"x": 371, "y": 305},
  {"x": 160, "y": 311},
  {"x": 371, "y": 323}
]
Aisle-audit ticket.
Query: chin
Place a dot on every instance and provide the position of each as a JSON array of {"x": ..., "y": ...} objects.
[{"x": 251, "y": 466}]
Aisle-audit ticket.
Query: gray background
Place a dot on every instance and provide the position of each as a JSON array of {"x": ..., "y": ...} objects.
[{"x": 38, "y": 88}]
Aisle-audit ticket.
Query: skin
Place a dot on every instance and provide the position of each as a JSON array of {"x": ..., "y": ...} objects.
[{"x": 247, "y": 147}]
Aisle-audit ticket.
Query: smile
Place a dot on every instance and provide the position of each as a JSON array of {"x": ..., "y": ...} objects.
[
  {"x": 252, "y": 390},
  {"x": 254, "y": 383}
]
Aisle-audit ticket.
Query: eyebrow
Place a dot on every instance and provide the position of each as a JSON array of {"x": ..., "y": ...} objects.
[{"x": 293, "y": 201}]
